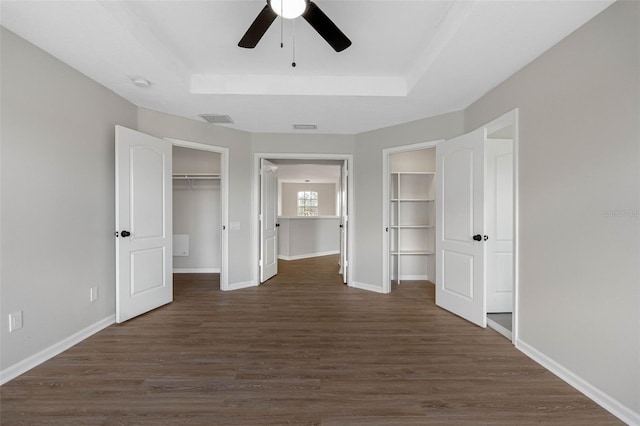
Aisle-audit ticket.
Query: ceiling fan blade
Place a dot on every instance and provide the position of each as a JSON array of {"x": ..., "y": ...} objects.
[
  {"x": 257, "y": 29},
  {"x": 326, "y": 28}
]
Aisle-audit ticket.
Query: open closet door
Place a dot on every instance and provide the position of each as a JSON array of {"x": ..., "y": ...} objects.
[
  {"x": 459, "y": 227},
  {"x": 344, "y": 220},
  {"x": 144, "y": 279},
  {"x": 268, "y": 220}
]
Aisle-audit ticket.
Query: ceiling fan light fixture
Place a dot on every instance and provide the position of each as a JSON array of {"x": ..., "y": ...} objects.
[{"x": 289, "y": 9}]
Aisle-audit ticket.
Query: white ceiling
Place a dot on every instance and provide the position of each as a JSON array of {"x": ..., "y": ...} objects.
[{"x": 409, "y": 59}]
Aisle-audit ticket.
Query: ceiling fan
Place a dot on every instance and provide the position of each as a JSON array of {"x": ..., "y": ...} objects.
[{"x": 291, "y": 9}]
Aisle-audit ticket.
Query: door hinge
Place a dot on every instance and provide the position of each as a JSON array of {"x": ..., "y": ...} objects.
[
  {"x": 260, "y": 217},
  {"x": 260, "y": 263}
]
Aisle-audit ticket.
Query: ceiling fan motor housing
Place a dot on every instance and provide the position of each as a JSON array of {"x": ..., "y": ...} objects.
[{"x": 288, "y": 9}]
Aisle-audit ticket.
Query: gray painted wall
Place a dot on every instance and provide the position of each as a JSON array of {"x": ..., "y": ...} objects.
[
  {"x": 58, "y": 210},
  {"x": 579, "y": 199}
]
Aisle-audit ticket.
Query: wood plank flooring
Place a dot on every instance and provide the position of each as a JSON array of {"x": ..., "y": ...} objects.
[{"x": 301, "y": 349}]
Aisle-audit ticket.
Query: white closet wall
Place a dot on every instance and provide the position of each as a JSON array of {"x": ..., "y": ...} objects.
[{"x": 196, "y": 210}]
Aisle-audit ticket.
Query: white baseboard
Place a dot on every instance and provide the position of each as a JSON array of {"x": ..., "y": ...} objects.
[
  {"x": 414, "y": 277},
  {"x": 365, "y": 286},
  {"x": 603, "y": 399},
  {"x": 196, "y": 270},
  {"x": 27, "y": 364},
  {"x": 308, "y": 255},
  {"x": 240, "y": 285},
  {"x": 500, "y": 329}
]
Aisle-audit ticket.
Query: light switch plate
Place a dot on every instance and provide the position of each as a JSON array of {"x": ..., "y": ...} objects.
[{"x": 15, "y": 321}]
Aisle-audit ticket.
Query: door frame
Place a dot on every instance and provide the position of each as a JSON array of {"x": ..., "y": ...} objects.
[
  {"x": 386, "y": 204},
  {"x": 224, "y": 202},
  {"x": 255, "y": 204},
  {"x": 512, "y": 118}
]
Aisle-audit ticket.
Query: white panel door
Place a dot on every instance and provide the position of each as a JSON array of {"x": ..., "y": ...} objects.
[
  {"x": 499, "y": 224},
  {"x": 144, "y": 279},
  {"x": 268, "y": 220},
  {"x": 344, "y": 222},
  {"x": 459, "y": 219}
]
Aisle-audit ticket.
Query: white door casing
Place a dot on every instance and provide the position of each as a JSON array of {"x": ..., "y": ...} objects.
[
  {"x": 268, "y": 220},
  {"x": 499, "y": 224},
  {"x": 460, "y": 216},
  {"x": 344, "y": 222},
  {"x": 144, "y": 267}
]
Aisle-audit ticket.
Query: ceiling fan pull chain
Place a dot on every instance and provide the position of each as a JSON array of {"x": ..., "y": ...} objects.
[
  {"x": 281, "y": 31},
  {"x": 293, "y": 64}
]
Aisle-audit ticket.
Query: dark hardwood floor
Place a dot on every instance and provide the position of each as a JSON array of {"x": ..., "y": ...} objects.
[{"x": 302, "y": 349}]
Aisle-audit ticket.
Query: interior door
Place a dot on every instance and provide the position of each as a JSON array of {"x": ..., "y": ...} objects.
[
  {"x": 460, "y": 226},
  {"x": 144, "y": 269},
  {"x": 268, "y": 220},
  {"x": 344, "y": 222},
  {"x": 499, "y": 224}
]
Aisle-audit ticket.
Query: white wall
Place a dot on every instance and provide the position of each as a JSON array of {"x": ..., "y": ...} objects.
[
  {"x": 196, "y": 210},
  {"x": 579, "y": 198},
  {"x": 58, "y": 209},
  {"x": 302, "y": 237},
  {"x": 187, "y": 160},
  {"x": 327, "y": 196}
]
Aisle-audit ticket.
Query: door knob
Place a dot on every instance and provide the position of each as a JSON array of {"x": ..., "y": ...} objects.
[
  {"x": 125, "y": 234},
  {"x": 477, "y": 237}
]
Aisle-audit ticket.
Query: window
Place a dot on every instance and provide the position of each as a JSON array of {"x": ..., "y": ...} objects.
[{"x": 307, "y": 203}]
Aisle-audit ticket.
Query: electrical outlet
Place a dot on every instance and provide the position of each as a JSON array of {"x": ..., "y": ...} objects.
[
  {"x": 93, "y": 294},
  {"x": 15, "y": 321}
]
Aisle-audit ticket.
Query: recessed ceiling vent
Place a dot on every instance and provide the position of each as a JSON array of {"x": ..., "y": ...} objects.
[
  {"x": 217, "y": 118},
  {"x": 305, "y": 126}
]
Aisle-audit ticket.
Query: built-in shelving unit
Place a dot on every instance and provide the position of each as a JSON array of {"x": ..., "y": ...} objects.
[{"x": 412, "y": 225}]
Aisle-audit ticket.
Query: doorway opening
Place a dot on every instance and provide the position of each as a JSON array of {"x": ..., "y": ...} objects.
[
  {"x": 499, "y": 194},
  {"x": 408, "y": 191},
  {"x": 302, "y": 204},
  {"x": 200, "y": 194}
]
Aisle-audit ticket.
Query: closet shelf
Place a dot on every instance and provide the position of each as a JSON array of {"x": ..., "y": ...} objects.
[
  {"x": 412, "y": 226},
  {"x": 409, "y": 252},
  {"x": 402, "y": 200},
  {"x": 195, "y": 176}
]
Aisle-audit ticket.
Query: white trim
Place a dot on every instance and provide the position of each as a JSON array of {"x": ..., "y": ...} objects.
[
  {"x": 196, "y": 270},
  {"x": 33, "y": 361},
  {"x": 308, "y": 255},
  {"x": 499, "y": 329},
  {"x": 386, "y": 158},
  {"x": 512, "y": 118},
  {"x": 414, "y": 277},
  {"x": 224, "y": 201},
  {"x": 603, "y": 399},
  {"x": 240, "y": 285},
  {"x": 256, "y": 195},
  {"x": 367, "y": 287}
]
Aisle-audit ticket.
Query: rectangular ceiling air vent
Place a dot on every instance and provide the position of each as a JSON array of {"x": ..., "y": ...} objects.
[
  {"x": 305, "y": 126},
  {"x": 217, "y": 118}
]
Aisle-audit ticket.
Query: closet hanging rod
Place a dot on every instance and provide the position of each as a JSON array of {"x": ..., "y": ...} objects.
[{"x": 195, "y": 176}]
